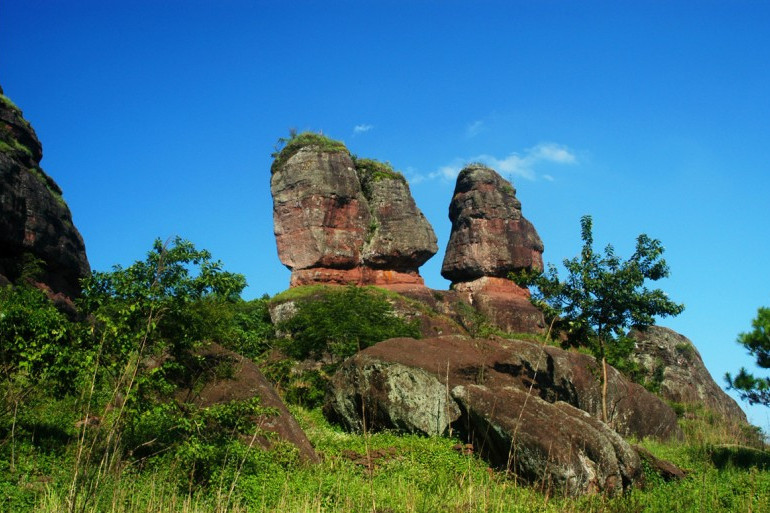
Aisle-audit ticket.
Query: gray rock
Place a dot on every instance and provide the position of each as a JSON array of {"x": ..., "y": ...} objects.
[
  {"x": 401, "y": 238},
  {"x": 667, "y": 355},
  {"x": 512, "y": 395}
]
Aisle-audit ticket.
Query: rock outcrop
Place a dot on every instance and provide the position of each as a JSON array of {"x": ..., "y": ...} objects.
[
  {"x": 490, "y": 239},
  {"x": 489, "y": 235},
  {"x": 527, "y": 407},
  {"x": 204, "y": 387},
  {"x": 337, "y": 222},
  {"x": 35, "y": 222},
  {"x": 673, "y": 359}
]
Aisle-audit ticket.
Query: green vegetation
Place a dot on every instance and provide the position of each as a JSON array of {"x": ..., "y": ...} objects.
[
  {"x": 757, "y": 342},
  {"x": 389, "y": 472},
  {"x": 342, "y": 321},
  {"x": 370, "y": 171},
  {"x": 330, "y": 323},
  {"x": 9, "y": 103},
  {"x": 91, "y": 418},
  {"x": 603, "y": 296},
  {"x": 288, "y": 146}
]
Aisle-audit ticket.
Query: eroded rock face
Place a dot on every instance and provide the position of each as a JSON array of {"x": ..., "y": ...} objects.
[
  {"x": 402, "y": 239},
  {"x": 555, "y": 446},
  {"x": 336, "y": 224},
  {"x": 531, "y": 408},
  {"x": 245, "y": 382},
  {"x": 34, "y": 219},
  {"x": 320, "y": 215},
  {"x": 489, "y": 235},
  {"x": 685, "y": 379}
]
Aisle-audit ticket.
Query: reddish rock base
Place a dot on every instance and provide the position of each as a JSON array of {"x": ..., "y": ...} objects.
[
  {"x": 504, "y": 303},
  {"x": 491, "y": 285},
  {"x": 355, "y": 276}
]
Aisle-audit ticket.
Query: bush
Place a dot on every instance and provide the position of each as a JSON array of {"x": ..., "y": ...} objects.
[{"x": 341, "y": 322}]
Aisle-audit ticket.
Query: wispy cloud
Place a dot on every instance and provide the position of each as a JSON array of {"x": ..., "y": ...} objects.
[
  {"x": 522, "y": 165},
  {"x": 474, "y": 128},
  {"x": 360, "y": 129}
]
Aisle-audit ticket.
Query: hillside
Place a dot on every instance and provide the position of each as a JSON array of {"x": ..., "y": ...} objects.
[{"x": 156, "y": 387}]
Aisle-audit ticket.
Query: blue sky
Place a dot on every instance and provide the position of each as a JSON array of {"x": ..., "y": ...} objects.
[{"x": 158, "y": 118}]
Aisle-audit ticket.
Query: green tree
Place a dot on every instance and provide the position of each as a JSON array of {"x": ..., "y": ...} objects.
[
  {"x": 603, "y": 296},
  {"x": 755, "y": 390},
  {"x": 150, "y": 318}
]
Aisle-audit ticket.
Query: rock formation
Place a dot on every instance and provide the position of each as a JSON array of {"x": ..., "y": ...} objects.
[
  {"x": 35, "y": 222},
  {"x": 673, "y": 359},
  {"x": 206, "y": 388},
  {"x": 490, "y": 238},
  {"x": 532, "y": 408},
  {"x": 337, "y": 221}
]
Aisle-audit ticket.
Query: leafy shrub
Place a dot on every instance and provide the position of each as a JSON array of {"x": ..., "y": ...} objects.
[
  {"x": 37, "y": 344},
  {"x": 341, "y": 322}
]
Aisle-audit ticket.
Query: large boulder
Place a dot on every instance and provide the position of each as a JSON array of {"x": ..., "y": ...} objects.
[
  {"x": 320, "y": 215},
  {"x": 332, "y": 229},
  {"x": 509, "y": 397},
  {"x": 400, "y": 237},
  {"x": 490, "y": 237},
  {"x": 672, "y": 359},
  {"x": 206, "y": 384},
  {"x": 34, "y": 218}
]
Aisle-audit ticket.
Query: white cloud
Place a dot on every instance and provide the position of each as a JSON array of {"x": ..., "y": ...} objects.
[
  {"x": 553, "y": 152},
  {"x": 474, "y": 128},
  {"x": 360, "y": 129},
  {"x": 522, "y": 165}
]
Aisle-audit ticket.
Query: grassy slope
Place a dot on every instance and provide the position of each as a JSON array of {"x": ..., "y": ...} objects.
[{"x": 415, "y": 474}]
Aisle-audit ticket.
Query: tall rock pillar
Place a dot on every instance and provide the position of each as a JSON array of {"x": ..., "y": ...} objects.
[{"x": 490, "y": 238}]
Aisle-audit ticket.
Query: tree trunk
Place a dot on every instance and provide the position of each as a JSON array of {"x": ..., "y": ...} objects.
[{"x": 604, "y": 388}]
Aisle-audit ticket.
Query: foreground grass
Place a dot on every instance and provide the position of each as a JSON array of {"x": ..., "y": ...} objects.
[{"x": 381, "y": 473}]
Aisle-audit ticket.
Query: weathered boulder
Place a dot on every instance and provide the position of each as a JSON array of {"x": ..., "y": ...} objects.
[
  {"x": 205, "y": 387},
  {"x": 506, "y": 396},
  {"x": 489, "y": 237},
  {"x": 340, "y": 222},
  {"x": 401, "y": 238},
  {"x": 673, "y": 359},
  {"x": 504, "y": 304},
  {"x": 320, "y": 215},
  {"x": 34, "y": 219},
  {"x": 556, "y": 447}
]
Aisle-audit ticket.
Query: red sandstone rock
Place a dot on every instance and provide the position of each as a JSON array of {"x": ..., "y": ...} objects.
[
  {"x": 489, "y": 235},
  {"x": 340, "y": 223},
  {"x": 684, "y": 378},
  {"x": 355, "y": 276},
  {"x": 320, "y": 215},
  {"x": 246, "y": 382}
]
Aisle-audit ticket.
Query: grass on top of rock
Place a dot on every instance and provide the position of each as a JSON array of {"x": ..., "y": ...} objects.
[
  {"x": 9, "y": 103},
  {"x": 288, "y": 146},
  {"x": 370, "y": 171}
]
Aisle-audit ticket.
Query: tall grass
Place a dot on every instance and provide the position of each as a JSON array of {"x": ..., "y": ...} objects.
[{"x": 387, "y": 472}]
